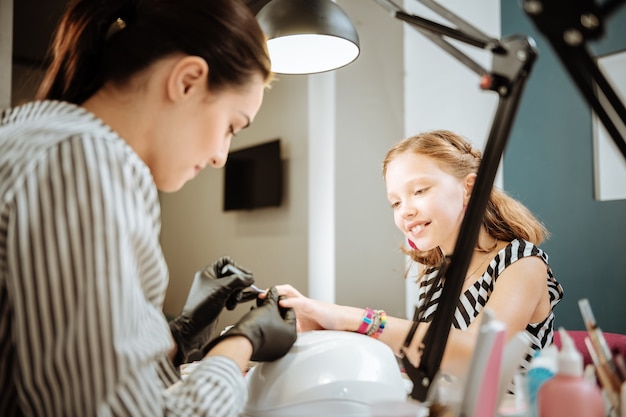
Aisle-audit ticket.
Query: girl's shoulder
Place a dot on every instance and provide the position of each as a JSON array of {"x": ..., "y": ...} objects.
[{"x": 518, "y": 249}]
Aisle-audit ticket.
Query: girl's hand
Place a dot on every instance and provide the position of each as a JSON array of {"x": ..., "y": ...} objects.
[{"x": 310, "y": 314}]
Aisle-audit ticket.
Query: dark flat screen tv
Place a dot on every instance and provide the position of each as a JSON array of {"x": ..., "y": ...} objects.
[{"x": 253, "y": 177}]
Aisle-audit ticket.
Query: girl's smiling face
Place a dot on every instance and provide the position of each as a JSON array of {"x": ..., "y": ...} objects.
[{"x": 427, "y": 202}]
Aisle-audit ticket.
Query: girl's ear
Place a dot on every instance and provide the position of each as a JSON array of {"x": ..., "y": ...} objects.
[
  {"x": 468, "y": 187},
  {"x": 188, "y": 76}
]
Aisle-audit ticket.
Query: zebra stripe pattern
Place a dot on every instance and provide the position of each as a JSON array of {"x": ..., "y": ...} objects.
[{"x": 473, "y": 300}]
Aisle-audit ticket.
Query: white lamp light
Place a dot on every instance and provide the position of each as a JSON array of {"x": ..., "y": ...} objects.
[{"x": 308, "y": 36}]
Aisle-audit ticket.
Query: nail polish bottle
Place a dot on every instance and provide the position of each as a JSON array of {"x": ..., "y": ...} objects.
[{"x": 569, "y": 393}]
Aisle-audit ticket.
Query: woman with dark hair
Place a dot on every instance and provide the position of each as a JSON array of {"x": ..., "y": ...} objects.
[{"x": 139, "y": 96}]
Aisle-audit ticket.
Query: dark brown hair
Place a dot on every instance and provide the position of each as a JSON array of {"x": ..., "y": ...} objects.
[
  {"x": 98, "y": 41},
  {"x": 505, "y": 218}
]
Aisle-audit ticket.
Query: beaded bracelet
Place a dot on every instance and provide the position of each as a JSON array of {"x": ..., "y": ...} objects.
[
  {"x": 366, "y": 321},
  {"x": 383, "y": 321},
  {"x": 375, "y": 324}
]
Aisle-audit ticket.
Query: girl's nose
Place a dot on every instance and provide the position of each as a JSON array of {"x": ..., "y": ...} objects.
[{"x": 408, "y": 210}]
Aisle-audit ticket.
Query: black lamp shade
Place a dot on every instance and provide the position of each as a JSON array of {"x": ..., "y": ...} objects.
[{"x": 308, "y": 36}]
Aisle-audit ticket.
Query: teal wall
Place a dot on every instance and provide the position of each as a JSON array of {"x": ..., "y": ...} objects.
[{"x": 548, "y": 165}]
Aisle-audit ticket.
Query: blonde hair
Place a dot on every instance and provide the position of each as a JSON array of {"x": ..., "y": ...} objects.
[{"x": 505, "y": 218}]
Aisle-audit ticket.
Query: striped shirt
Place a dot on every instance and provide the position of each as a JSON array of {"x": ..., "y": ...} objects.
[
  {"x": 83, "y": 278},
  {"x": 473, "y": 300}
]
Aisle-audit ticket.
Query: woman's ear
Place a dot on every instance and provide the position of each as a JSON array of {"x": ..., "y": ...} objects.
[{"x": 188, "y": 76}]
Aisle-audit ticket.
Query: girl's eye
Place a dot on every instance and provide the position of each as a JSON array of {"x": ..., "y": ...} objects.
[
  {"x": 395, "y": 204},
  {"x": 420, "y": 191}
]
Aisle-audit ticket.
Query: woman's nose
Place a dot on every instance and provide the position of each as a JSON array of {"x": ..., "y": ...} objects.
[
  {"x": 221, "y": 155},
  {"x": 219, "y": 159}
]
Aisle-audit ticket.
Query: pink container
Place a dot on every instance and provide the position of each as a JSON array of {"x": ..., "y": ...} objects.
[
  {"x": 570, "y": 396},
  {"x": 568, "y": 393}
]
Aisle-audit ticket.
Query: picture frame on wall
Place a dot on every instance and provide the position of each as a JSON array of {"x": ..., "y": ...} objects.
[{"x": 609, "y": 163}]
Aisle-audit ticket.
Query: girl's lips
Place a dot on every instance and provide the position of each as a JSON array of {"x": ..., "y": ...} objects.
[{"x": 415, "y": 229}]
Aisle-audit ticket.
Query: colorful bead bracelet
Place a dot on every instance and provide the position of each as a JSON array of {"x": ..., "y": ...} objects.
[{"x": 373, "y": 323}]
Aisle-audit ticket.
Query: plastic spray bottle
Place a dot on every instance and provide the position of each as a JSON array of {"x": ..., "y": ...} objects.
[
  {"x": 543, "y": 366},
  {"x": 569, "y": 393}
]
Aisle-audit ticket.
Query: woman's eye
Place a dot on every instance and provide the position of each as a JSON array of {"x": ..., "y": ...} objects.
[
  {"x": 395, "y": 204},
  {"x": 420, "y": 191}
]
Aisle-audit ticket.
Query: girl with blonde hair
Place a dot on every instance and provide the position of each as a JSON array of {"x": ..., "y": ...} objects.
[{"x": 429, "y": 179}]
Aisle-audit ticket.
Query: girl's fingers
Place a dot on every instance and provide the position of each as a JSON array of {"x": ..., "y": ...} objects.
[{"x": 288, "y": 291}]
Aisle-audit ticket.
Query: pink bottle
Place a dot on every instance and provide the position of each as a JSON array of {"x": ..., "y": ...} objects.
[{"x": 568, "y": 393}]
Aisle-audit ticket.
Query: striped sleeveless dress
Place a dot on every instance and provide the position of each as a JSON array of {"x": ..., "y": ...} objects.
[{"x": 473, "y": 300}]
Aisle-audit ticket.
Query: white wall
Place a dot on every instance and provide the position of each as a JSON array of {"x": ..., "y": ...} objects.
[
  {"x": 321, "y": 186},
  {"x": 370, "y": 114},
  {"x": 441, "y": 92}
]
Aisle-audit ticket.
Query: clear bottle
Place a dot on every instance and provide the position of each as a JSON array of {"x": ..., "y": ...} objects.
[{"x": 568, "y": 393}]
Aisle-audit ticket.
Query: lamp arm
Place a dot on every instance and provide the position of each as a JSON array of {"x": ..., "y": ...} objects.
[
  {"x": 602, "y": 99},
  {"x": 463, "y": 26},
  {"x": 568, "y": 34},
  {"x": 443, "y": 30},
  {"x": 460, "y": 23},
  {"x": 509, "y": 74},
  {"x": 435, "y": 32}
]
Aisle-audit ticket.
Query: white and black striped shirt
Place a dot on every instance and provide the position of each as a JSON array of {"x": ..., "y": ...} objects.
[
  {"x": 473, "y": 300},
  {"x": 82, "y": 279}
]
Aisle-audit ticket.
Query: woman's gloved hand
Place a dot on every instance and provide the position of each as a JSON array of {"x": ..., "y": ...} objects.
[
  {"x": 270, "y": 328},
  {"x": 216, "y": 286}
]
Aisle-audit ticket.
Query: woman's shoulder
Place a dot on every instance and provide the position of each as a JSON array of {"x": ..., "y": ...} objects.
[
  {"x": 46, "y": 136},
  {"x": 35, "y": 129},
  {"x": 49, "y": 113}
]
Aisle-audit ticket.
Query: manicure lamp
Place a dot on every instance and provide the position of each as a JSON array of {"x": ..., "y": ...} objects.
[{"x": 567, "y": 24}]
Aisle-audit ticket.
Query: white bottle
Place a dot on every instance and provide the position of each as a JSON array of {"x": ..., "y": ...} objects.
[
  {"x": 568, "y": 393},
  {"x": 543, "y": 367}
]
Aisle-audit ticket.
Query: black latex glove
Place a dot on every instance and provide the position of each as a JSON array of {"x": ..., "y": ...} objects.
[
  {"x": 270, "y": 328},
  {"x": 216, "y": 286}
]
